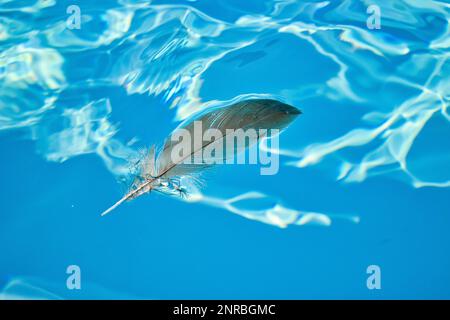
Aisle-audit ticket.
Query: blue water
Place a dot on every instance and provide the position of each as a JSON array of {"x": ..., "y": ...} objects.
[{"x": 364, "y": 172}]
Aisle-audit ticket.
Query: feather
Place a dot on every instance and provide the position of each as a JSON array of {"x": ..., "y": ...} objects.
[{"x": 163, "y": 173}]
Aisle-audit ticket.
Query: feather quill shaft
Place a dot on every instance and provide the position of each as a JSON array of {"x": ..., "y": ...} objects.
[
  {"x": 158, "y": 171},
  {"x": 141, "y": 187}
]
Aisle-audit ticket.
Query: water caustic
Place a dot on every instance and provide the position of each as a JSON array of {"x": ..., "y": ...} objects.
[{"x": 90, "y": 83}]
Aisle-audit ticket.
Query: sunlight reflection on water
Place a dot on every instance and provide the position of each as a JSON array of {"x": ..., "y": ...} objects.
[{"x": 171, "y": 50}]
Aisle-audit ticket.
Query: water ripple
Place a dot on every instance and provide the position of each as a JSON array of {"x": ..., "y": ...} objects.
[{"x": 394, "y": 79}]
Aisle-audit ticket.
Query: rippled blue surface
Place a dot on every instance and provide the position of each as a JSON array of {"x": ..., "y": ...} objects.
[{"x": 364, "y": 176}]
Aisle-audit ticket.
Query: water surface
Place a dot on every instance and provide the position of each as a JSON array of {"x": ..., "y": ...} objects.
[{"x": 364, "y": 176}]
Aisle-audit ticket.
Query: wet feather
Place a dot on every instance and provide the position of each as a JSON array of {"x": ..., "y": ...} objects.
[{"x": 161, "y": 173}]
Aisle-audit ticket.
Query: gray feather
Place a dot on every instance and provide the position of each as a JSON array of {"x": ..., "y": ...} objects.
[{"x": 160, "y": 171}]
